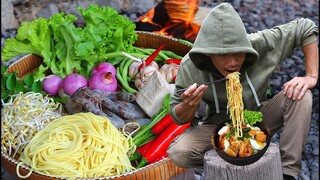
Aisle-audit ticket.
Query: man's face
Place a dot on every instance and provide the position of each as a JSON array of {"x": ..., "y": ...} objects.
[{"x": 228, "y": 63}]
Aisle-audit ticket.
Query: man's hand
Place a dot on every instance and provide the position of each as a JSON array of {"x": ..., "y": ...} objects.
[
  {"x": 298, "y": 86},
  {"x": 192, "y": 96},
  {"x": 191, "y": 100}
]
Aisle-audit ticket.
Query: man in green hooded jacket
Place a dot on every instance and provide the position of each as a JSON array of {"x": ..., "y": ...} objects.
[{"x": 222, "y": 47}]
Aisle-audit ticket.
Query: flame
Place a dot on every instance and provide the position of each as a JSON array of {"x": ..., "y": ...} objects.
[
  {"x": 181, "y": 15},
  {"x": 147, "y": 18}
]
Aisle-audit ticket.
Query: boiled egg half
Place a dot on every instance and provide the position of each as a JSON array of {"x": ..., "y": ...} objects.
[
  {"x": 226, "y": 145},
  {"x": 257, "y": 145},
  {"x": 224, "y": 130},
  {"x": 253, "y": 127}
]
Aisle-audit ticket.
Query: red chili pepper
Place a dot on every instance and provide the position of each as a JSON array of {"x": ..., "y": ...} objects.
[
  {"x": 176, "y": 61},
  {"x": 140, "y": 150},
  {"x": 151, "y": 57},
  {"x": 162, "y": 124},
  {"x": 164, "y": 155},
  {"x": 162, "y": 143},
  {"x": 155, "y": 130}
]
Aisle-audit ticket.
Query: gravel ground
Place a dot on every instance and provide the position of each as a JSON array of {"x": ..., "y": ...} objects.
[{"x": 258, "y": 15}]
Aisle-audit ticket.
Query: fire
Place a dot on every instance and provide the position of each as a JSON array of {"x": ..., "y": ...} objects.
[
  {"x": 178, "y": 19},
  {"x": 148, "y": 18}
]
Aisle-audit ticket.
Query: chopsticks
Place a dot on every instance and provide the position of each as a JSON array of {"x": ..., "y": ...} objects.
[{"x": 180, "y": 91}]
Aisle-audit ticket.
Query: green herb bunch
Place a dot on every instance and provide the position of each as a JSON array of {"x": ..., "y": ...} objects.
[
  {"x": 252, "y": 117},
  {"x": 11, "y": 84}
]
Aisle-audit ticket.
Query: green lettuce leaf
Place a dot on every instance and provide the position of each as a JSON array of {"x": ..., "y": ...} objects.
[
  {"x": 106, "y": 32},
  {"x": 252, "y": 117},
  {"x": 33, "y": 37},
  {"x": 66, "y": 35}
]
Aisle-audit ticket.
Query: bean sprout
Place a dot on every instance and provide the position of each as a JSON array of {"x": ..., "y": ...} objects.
[{"x": 23, "y": 116}]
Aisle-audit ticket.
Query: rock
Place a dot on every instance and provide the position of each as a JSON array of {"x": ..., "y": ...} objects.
[
  {"x": 116, "y": 4},
  {"x": 49, "y": 11},
  {"x": 8, "y": 20},
  {"x": 315, "y": 172},
  {"x": 136, "y": 6},
  {"x": 275, "y": 82}
]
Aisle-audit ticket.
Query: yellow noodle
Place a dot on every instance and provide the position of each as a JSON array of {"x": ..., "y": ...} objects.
[
  {"x": 235, "y": 104},
  {"x": 81, "y": 145}
]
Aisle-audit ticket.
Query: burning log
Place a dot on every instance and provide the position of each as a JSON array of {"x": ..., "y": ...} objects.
[
  {"x": 181, "y": 11},
  {"x": 153, "y": 20},
  {"x": 178, "y": 19}
]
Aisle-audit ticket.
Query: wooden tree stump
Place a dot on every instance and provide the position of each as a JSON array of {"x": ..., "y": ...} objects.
[{"x": 266, "y": 168}]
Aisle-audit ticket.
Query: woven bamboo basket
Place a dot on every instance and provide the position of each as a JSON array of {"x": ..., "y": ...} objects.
[{"x": 162, "y": 170}]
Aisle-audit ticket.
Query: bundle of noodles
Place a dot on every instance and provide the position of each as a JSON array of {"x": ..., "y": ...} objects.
[
  {"x": 82, "y": 145},
  {"x": 235, "y": 104}
]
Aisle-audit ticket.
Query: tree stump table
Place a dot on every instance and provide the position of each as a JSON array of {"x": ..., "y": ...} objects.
[{"x": 266, "y": 168}]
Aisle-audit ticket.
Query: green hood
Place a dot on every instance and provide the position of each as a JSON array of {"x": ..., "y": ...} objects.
[{"x": 221, "y": 32}]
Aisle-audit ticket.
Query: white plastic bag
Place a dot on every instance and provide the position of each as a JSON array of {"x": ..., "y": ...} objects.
[{"x": 151, "y": 95}]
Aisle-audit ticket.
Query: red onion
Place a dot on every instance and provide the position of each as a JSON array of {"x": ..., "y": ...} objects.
[
  {"x": 104, "y": 67},
  {"x": 51, "y": 84},
  {"x": 72, "y": 82},
  {"x": 103, "y": 81}
]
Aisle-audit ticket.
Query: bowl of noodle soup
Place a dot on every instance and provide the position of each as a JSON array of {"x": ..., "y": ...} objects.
[
  {"x": 221, "y": 150},
  {"x": 244, "y": 139}
]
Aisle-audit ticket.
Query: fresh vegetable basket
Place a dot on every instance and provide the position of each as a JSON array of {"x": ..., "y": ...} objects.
[{"x": 161, "y": 170}]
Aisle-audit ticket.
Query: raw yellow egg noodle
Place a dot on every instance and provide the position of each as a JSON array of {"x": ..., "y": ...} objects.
[{"x": 82, "y": 145}]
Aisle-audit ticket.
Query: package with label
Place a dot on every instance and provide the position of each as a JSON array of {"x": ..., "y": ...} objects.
[{"x": 150, "y": 97}]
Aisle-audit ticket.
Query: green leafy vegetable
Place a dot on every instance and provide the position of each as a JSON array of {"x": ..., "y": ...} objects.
[
  {"x": 252, "y": 117},
  {"x": 66, "y": 36},
  {"x": 63, "y": 46},
  {"x": 28, "y": 80},
  {"x": 107, "y": 31},
  {"x": 11, "y": 84},
  {"x": 32, "y": 38}
]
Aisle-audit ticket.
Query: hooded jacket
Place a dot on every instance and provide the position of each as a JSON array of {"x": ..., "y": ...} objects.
[{"x": 222, "y": 32}]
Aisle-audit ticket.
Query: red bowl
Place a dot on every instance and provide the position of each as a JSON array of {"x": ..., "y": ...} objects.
[{"x": 241, "y": 161}]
